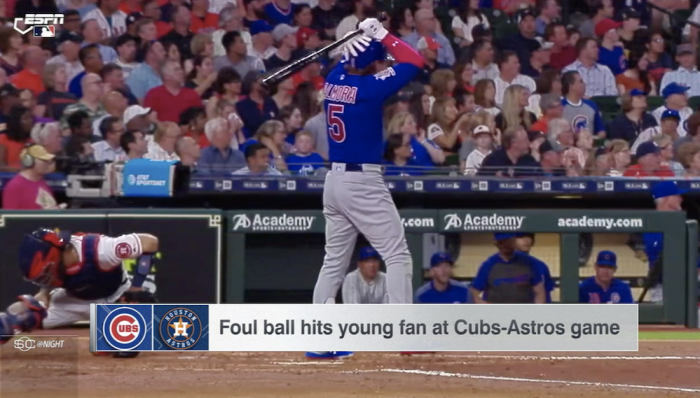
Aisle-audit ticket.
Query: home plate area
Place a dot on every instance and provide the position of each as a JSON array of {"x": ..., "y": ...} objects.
[{"x": 659, "y": 368}]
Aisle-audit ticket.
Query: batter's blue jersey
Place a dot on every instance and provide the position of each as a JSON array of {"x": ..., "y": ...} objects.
[{"x": 353, "y": 105}]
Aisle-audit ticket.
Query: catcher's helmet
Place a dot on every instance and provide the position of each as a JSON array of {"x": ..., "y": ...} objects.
[
  {"x": 40, "y": 256},
  {"x": 373, "y": 53}
]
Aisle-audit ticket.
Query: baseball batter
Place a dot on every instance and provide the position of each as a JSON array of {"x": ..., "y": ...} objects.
[
  {"x": 355, "y": 197},
  {"x": 73, "y": 271}
]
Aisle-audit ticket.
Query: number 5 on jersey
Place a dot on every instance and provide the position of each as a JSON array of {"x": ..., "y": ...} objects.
[{"x": 336, "y": 126}]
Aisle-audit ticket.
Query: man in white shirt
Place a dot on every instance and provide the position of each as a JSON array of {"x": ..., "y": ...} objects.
[
  {"x": 164, "y": 141},
  {"x": 687, "y": 73},
  {"x": 599, "y": 79},
  {"x": 676, "y": 99},
  {"x": 484, "y": 67},
  {"x": 68, "y": 47},
  {"x": 230, "y": 19},
  {"x": 109, "y": 150},
  {"x": 509, "y": 68},
  {"x": 366, "y": 284},
  {"x": 109, "y": 18}
]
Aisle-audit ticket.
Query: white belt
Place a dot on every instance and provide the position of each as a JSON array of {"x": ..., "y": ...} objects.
[{"x": 366, "y": 167}]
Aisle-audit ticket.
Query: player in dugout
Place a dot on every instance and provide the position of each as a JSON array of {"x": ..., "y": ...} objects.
[
  {"x": 603, "y": 287},
  {"x": 524, "y": 242},
  {"x": 509, "y": 276},
  {"x": 442, "y": 289},
  {"x": 366, "y": 284}
]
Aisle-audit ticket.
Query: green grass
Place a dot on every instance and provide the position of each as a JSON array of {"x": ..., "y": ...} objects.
[{"x": 669, "y": 336}]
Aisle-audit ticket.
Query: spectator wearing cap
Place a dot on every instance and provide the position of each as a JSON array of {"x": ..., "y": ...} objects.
[
  {"x": 428, "y": 48},
  {"x": 483, "y": 140},
  {"x": 630, "y": 24},
  {"x": 285, "y": 37},
  {"x": 230, "y": 19},
  {"x": 637, "y": 75},
  {"x": 219, "y": 157},
  {"x": 562, "y": 52},
  {"x": 579, "y": 111},
  {"x": 667, "y": 197},
  {"x": 361, "y": 9},
  {"x": 634, "y": 119},
  {"x": 524, "y": 242},
  {"x": 203, "y": 21},
  {"x": 326, "y": 16},
  {"x": 180, "y": 35},
  {"x": 687, "y": 73},
  {"x": 257, "y": 157},
  {"x": 93, "y": 34},
  {"x": 53, "y": 102},
  {"x": 468, "y": 17},
  {"x": 172, "y": 98},
  {"x": 151, "y": 9},
  {"x": 366, "y": 284},
  {"x": 603, "y": 287},
  {"x": 139, "y": 118},
  {"x": 610, "y": 53},
  {"x": 68, "y": 48},
  {"x": 513, "y": 158},
  {"x": 109, "y": 149},
  {"x": 308, "y": 40},
  {"x": 126, "y": 54},
  {"x": 237, "y": 56},
  {"x": 555, "y": 161},
  {"x": 91, "y": 59},
  {"x": 676, "y": 99},
  {"x": 523, "y": 42},
  {"x": 550, "y": 11},
  {"x": 600, "y": 10},
  {"x": 146, "y": 76},
  {"x": 262, "y": 41},
  {"x": 28, "y": 190},
  {"x": 598, "y": 78},
  {"x": 33, "y": 61},
  {"x": 509, "y": 276},
  {"x": 509, "y": 74},
  {"x": 551, "y": 107},
  {"x": 483, "y": 65},
  {"x": 134, "y": 144},
  {"x": 111, "y": 21},
  {"x": 648, "y": 162},
  {"x": 442, "y": 289},
  {"x": 426, "y": 25},
  {"x": 539, "y": 60}
]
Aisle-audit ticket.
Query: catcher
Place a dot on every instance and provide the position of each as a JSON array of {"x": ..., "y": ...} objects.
[{"x": 73, "y": 271}]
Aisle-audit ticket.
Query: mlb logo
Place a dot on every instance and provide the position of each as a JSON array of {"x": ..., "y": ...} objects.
[{"x": 45, "y": 31}]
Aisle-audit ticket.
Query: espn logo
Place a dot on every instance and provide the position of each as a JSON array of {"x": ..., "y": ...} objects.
[{"x": 45, "y": 31}]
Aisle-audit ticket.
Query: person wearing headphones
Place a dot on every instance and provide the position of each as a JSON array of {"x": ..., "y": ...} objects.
[{"x": 27, "y": 190}]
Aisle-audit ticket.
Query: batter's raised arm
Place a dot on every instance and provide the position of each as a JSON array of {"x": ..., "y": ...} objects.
[{"x": 402, "y": 52}]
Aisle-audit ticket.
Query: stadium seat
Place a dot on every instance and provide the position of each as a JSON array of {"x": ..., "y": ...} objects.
[
  {"x": 495, "y": 17},
  {"x": 502, "y": 31},
  {"x": 654, "y": 102},
  {"x": 694, "y": 103},
  {"x": 609, "y": 106}
]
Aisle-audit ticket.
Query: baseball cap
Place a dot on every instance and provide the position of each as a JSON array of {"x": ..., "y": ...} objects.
[
  {"x": 629, "y": 13},
  {"x": 504, "y": 235},
  {"x": 67, "y": 35},
  {"x": 133, "y": 17},
  {"x": 367, "y": 253},
  {"x": 686, "y": 48},
  {"x": 647, "y": 148},
  {"x": 135, "y": 111},
  {"x": 635, "y": 92},
  {"x": 303, "y": 35},
  {"x": 37, "y": 152},
  {"x": 606, "y": 25},
  {"x": 671, "y": 113},
  {"x": 607, "y": 258},
  {"x": 259, "y": 26},
  {"x": 8, "y": 89},
  {"x": 439, "y": 258},
  {"x": 481, "y": 129},
  {"x": 282, "y": 30},
  {"x": 674, "y": 88},
  {"x": 543, "y": 45},
  {"x": 526, "y": 12},
  {"x": 427, "y": 42},
  {"x": 547, "y": 146},
  {"x": 533, "y": 135},
  {"x": 479, "y": 31},
  {"x": 666, "y": 188}
]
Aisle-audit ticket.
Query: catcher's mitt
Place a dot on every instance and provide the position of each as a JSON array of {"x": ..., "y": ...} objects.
[{"x": 138, "y": 297}]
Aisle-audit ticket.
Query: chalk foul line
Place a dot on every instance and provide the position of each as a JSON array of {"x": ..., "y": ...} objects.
[
  {"x": 579, "y": 358},
  {"x": 526, "y": 380}
]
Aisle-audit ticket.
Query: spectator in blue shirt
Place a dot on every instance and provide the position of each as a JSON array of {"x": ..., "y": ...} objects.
[
  {"x": 524, "y": 242},
  {"x": 442, "y": 289},
  {"x": 398, "y": 158},
  {"x": 423, "y": 151},
  {"x": 509, "y": 276},
  {"x": 610, "y": 53},
  {"x": 304, "y": 160},
  {"x": 219, "y": 157},
  {"x": 667, "y": 197},
  {"x": 604, "y": 288},
  {"x": 91, "y": 59}
]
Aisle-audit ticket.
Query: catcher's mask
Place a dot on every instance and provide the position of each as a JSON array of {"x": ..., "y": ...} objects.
[{"x": 40, "y": 257}]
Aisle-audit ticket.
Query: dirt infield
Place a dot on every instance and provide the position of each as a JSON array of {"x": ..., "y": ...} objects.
[{"x": 659, "y": 369}]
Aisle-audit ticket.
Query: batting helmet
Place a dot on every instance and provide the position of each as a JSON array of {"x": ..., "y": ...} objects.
[
  {"x": 40, "y": 256},
  {"x": 373, "y": 53}
]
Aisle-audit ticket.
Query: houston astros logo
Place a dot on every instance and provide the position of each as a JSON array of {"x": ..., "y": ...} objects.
[
  {"x": 180, "y": 328},
  {"x": 124, "y": 328}
]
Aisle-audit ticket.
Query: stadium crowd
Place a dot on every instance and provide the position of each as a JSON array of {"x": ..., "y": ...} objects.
[{"x": 509, "y": 88}]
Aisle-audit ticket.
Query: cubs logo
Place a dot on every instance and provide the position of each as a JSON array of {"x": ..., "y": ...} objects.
[
  {"x": 124, "y": 328},
  {"x": 578, "y": 123},
  {"x": 180, "y": 328},
  {"x": 615, "y": 297}
]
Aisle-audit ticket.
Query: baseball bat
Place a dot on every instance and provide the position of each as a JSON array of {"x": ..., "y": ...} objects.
[{"x": 297, "y": 65}]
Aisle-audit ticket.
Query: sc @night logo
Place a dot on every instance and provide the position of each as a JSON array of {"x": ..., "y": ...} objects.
[
  {"x": 124, "y": 328},
  {"x": 25, "y": 343}
]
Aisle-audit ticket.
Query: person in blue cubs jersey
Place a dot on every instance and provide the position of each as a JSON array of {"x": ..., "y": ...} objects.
[
  {"x": 355, "y": 198},
  {"x": 604, "y": 288},
  {"x": 75, "y": 270},
  {"x": 442, "y": 289}
]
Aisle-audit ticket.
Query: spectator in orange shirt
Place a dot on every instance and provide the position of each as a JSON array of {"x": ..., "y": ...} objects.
[
  {"x": 203, "y": 21},
  {"x": 33, "y": 60},
  {"x": 551, "y": 107},
  {"x": 130, "y": 6},
  {"x": 16, "y": 137},
  {"x": 511, "y": 6},
  {"x": 152, "y": 10},
  {"x": 648, "y": 163}
]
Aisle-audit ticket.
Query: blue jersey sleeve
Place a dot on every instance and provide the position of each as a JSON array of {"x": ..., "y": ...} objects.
[
  {"x": 387, "y": 82},
  {"x": 583, "y": 293},
  {"x": 537, "y": 275},
  {"x": 482, "y": 276},
  {"x": 625, "y": 293}
]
